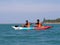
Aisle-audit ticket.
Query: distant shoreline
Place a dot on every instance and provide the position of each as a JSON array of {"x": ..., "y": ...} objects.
[
  {"x": 33, "y": 23},
  {"x": 51, "y": 23}
]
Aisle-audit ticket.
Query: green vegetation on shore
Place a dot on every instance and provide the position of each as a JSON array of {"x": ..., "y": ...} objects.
[{"x": 52, "y": 21}]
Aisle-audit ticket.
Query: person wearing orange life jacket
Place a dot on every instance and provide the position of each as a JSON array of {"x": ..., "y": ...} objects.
[
  {"x": 38, "y": 24},
  {"x": 27, "y": 24}
]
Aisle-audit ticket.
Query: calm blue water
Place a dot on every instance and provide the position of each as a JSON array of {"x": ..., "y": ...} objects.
[{"x": 9, "y": 36}]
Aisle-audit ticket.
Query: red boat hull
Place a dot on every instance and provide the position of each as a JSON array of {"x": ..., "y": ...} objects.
[{"x": 42, "y": 28}]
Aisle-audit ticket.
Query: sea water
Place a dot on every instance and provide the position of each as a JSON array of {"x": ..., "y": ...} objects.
[{"x": 9, "y": 36}]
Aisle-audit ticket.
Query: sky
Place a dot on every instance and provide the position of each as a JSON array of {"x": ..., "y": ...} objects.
[{"x": 17, "y": 11}]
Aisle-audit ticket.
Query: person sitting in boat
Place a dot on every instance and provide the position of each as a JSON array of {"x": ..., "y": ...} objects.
[
  {"x": 27, "y": 24},
  {"x": 39, "y": 24}
]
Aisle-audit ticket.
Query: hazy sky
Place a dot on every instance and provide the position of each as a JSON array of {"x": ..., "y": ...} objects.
[{"x": 17, "y": 11}]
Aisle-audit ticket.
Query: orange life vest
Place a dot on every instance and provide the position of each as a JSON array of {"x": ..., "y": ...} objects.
[
  {"x": 39, "y": 25},
  {"x": 28, "y": 25}
]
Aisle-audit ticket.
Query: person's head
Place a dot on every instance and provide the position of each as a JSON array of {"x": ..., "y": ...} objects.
[
  {"x": 38, "y": 20},
  {"x": 26, "y": 21}
]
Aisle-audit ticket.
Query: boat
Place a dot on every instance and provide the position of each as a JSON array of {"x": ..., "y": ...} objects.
[
  {"x": 22, "y": 28},
  {"x": 31, "y": 28},
  {"x": 43, "y": 28}
]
